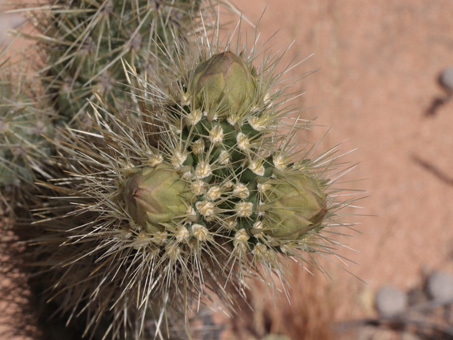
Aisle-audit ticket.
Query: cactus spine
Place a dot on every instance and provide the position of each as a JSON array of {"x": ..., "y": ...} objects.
[
  {"x": 173, "y": 174},
  {"x": 190, "y": 192},
  {"x": 83, "y": 43},
  {"x": 24, "y": 121}
]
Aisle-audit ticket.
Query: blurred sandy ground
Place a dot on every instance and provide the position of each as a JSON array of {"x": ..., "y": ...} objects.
[
  {"x": 379, "y": 62},
  {"x": 15, "y": 323},
  {"x": 7, "y": 21}
]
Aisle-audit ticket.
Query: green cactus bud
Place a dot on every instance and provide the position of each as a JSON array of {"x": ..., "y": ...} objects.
[
  {"x": 224, "y": 79},
  {"x": 293, "y": 206},
  {"x": 155, "y": 196}
]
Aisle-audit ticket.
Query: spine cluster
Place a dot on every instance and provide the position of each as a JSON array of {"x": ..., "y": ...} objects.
[
  {"x": 84, "y": 42},
  {"x": 188, "y": 194},
  {"x": 162, "y": 169},
  {"x": 24, "y": 121}
]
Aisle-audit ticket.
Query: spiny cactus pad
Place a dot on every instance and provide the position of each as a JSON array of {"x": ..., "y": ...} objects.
[
  {"x": 195, "y": 187},
  {"x": 83, "y": 43},
  {"x": 23, "y": 124}
]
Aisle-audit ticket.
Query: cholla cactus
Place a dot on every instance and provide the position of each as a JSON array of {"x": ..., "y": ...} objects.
[
  {"x": 195, "y": 187},
  {"x": 82, "y": 43},
  {"x": 24, "y": 121}
]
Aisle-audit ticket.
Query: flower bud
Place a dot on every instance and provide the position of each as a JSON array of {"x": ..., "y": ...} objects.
[
  {"x": 293, "y": 206},
  {"x": 156, "y": 195},
  {"x": 225, "y": 79}
]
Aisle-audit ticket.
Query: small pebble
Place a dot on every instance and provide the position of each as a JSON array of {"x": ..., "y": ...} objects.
[
  {"x": 446, "y": 79},
  {"x": 390, "y": 301},
  {"x": 440, "y": 286}
]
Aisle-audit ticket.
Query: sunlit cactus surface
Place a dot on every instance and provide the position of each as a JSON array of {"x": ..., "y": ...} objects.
[{"x": 167, "y": 167}]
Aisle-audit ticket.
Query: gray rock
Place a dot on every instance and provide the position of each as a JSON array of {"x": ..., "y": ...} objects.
[
  {"x": 446, "y": 79},
  {"x": 390, "y": 301},
  {"x": 439, "y": 286}
]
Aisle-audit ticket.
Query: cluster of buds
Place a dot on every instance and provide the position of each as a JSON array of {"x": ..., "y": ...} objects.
[
  {"x": 190, "y": 192},
  {"x": 218, "y": 194},
  {"x": 237, "y": 185},
  {"x": 151, "y": 187}
]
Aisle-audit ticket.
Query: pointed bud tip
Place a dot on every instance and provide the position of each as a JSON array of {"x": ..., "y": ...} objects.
[
  {"x": 224, "y": 79},
  {"x": 156, "y": 195}
]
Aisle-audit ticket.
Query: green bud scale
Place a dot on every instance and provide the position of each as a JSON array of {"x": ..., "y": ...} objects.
[
  {"x": 223, "y": 80},
  {"x": 156, "y": 196}
]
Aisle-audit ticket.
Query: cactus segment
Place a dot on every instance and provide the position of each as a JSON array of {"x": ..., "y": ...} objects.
[
  {"x": 201, "y": 186},
  {"x": 174, "y": 173},
  {"x": 23, "y": 127},
  {"x": 85, "y": 43}
]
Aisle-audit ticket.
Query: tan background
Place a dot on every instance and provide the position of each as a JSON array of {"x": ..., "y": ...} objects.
[{"x": 378, "y": 61}]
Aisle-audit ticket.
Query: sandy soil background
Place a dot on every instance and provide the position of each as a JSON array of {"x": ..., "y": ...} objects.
[
  {"x": 379, "y": 62},
  {"x": 378, "y": 65}
]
